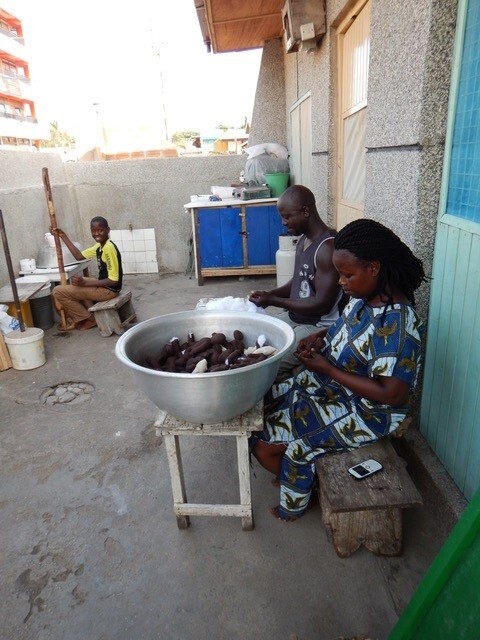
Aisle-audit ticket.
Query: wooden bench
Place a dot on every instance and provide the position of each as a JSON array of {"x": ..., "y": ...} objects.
[
  {"x": 367, "y": 511},
  {"x": 113, "y": 315}
]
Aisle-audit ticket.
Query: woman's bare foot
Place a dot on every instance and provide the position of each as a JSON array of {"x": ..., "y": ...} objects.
[
  {"x": 275, "y": 511},
  {"x": 276, "y": 514}
]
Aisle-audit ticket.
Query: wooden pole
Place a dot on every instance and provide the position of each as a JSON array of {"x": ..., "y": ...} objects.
[
  {"x": 11, "y": 274},
  {"x": 58, "y": 246}
]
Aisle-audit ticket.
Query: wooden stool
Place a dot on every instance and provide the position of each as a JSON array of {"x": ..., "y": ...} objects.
[
  {"x": 112, "y": 315},
  {"x": 241, "y": 427},
  {"x": 367, "y": 511}
]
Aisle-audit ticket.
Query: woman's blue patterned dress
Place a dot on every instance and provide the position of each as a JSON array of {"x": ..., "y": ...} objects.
[{"x": 313, "y": 415}]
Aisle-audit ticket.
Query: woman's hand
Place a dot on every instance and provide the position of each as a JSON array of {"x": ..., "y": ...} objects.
[
  {"x": 314, "y": 362},
  {"x": 78, "y": 281},
  {"x": 313, "y": 343}
]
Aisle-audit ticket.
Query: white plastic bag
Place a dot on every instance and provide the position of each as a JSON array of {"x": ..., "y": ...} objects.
[
  {"x": 229, "y": 304},
  {"x": 257, "y": 167},
  {"x": 8, "y": 323},
  {"x": 272, "y": 148}
]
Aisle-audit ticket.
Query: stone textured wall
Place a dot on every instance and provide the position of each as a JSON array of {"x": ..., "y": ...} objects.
[
  {"x": 268, "y": 118},
  {"x": 409, "y": 79}
]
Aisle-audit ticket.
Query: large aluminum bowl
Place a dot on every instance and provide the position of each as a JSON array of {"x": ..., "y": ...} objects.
[{"x": 205, "y": 398}]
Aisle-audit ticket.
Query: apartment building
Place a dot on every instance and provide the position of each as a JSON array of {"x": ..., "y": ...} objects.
[{"x": 18, "y": 123}]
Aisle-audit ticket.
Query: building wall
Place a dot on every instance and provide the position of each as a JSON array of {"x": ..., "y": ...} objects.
[
  {"x": 411, "y": 53},
  {"x": 141, "y": 193},
  {"x": 268, "y": 117}
]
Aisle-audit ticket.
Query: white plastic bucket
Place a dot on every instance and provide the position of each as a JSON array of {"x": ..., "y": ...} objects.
[
  {"x": 26, "y": 348},
  {"x": 27, "y": 265}
]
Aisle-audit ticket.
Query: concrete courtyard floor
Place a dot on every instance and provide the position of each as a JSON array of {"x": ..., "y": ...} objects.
[{"x": 90, "y": 546}]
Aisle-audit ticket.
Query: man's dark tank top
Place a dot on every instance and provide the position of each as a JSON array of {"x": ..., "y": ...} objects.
[
  {"x": 103, "y": 271},
  {"x": 303, "y": 283}
]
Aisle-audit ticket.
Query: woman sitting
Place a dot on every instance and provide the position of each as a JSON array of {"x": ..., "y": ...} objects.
[{"x": 359, "y": 375}]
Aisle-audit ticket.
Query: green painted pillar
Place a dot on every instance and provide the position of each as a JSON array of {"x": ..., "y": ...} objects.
[{"x": 446, "y": 604}]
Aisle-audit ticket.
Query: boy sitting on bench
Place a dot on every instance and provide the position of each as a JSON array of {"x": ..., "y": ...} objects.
[{"x": 75, "y": 298}]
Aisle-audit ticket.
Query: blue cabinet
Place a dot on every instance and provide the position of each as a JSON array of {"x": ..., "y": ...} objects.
[
  {"x": 220, "y": 237},
  {"x": 263, "y": 226},
  {"x": 235, "y": 239}
]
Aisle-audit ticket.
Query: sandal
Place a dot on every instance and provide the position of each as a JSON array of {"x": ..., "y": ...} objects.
[
  {"x": 88, "y": 323},
  {"x": 70, "y": 327}
]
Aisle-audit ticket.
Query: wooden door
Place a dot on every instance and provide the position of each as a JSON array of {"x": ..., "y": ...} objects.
[
  {"x": 301, "y": 142},
  {"x": 353, "y": 56}
]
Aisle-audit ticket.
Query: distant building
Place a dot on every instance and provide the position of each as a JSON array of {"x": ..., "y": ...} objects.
[
  {"x": 18, "y": 123},
  {"x": 230, "y": 141},
  {"x": 233, "y": 141}
]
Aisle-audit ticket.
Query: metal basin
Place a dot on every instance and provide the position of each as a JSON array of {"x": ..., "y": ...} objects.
[{"x": 207, "y": 397}]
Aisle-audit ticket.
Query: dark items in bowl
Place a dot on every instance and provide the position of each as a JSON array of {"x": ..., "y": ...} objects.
[
  {"x": 217, "y": 352},
  {"x": 216, "y": 396}
]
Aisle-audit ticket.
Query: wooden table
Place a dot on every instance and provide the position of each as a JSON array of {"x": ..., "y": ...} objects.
[
  {"x": 240, "y": 427},
  {"x": 25, "y": 292},
  {"x": 53, "y": 273}
]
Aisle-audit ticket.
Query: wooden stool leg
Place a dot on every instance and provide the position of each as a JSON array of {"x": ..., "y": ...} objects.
[
  {"x": 244, "y": 480},
  {"x": 379, "y": 530},
  {"x": 108, "y": 321},
  {"x": 174, "y": 457},
  {"x": 127, "y": 313}
]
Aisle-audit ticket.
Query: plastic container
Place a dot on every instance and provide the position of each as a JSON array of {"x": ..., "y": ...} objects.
[
  {"x": 26, "y": 312},
  {"x": 42, "y": 310},
  {"x": 255, "y": 193},
  {"x": 26, "y": 348},
  {"x": 40, "y": 303},
  {"x": 285, "y": 258},
  {"x": 222, "y": 192},
  {"x": 27, "y": 265},
  {"x": 201, "y": 198},
  {"x": 277, "y": 182}
]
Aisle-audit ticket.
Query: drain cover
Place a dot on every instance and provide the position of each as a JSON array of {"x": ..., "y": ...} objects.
[{"x": 67, "y": 393}]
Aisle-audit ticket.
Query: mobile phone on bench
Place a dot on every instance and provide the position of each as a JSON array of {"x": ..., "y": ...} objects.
[{"x": 365, "y": 469}]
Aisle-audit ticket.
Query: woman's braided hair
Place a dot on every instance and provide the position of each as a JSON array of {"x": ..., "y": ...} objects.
[{"x": 371, "y": 240}]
